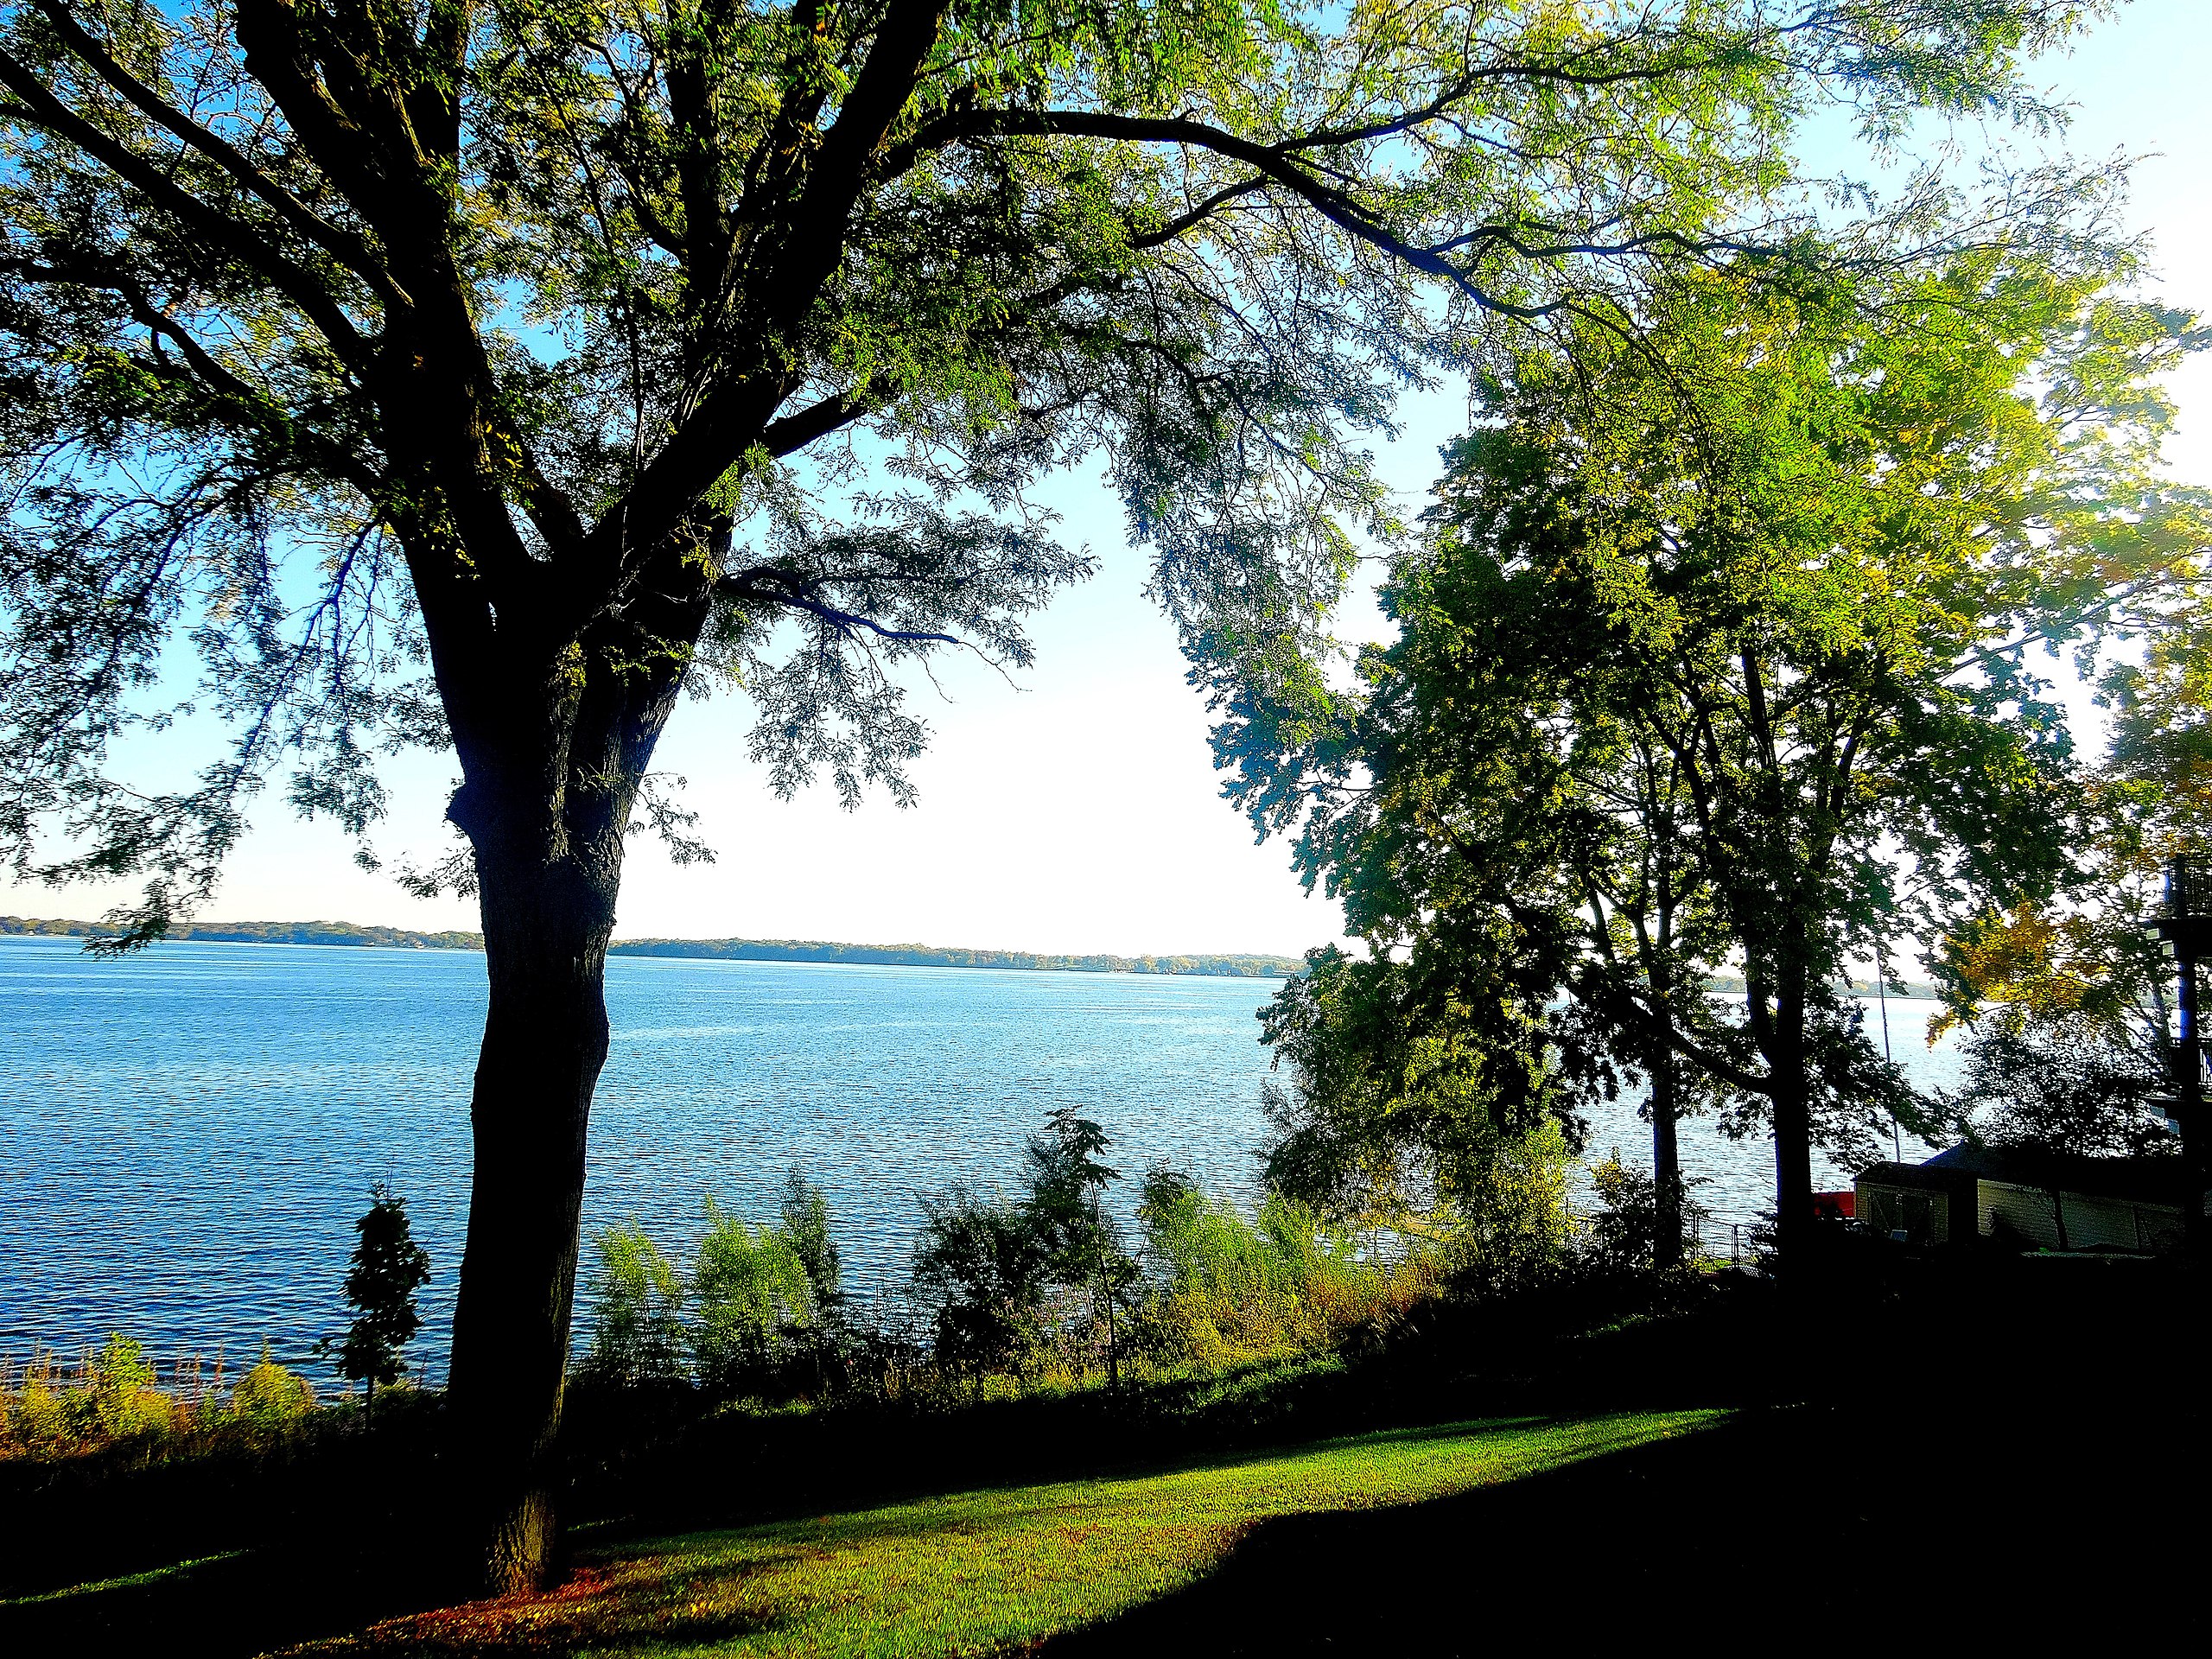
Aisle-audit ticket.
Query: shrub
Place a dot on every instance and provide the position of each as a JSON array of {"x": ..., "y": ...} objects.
[
  {"x": 1622, "y": 1234},
  {"x": 38, "y": 1418},
  {"x": 806, "y": 1211},
  {"x": 761, "y": 1310},
  {"x": 1085, "y": 1259},
  {"x": 637, "y": 1295},
  {"x": 1512, "y": 1226},
  {"x": 269, "y": 1394},
  {"x": 1226, "y": 1288},
  {"x": 752, "y": 1299},
  {"x": 121, "y": 1398},
  {"x": 983, "y": 1270}
]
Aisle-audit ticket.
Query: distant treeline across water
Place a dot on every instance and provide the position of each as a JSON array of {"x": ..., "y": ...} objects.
[
  {"x": 883, "y": 956},
  {"x": 877, "y": 955}
]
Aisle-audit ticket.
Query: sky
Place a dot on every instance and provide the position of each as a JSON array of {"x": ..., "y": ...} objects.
[{"x": 1077, "y": 809}]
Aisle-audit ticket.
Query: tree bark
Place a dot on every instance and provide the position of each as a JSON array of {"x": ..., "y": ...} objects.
[
  {"x": 552, "y": 756},
  {"x": 546, "y": 1038},
  {"x": 1793, "y": 1128},
  {"x": 1666, "y": 1155},
  {"x": 1666, "y": 1165}
]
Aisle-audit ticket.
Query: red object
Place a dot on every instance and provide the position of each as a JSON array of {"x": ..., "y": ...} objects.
[{"x": 1836, "y": 1206}]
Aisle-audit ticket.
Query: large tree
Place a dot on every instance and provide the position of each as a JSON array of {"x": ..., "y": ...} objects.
[
  {"x": 1722, "y": 657},
  {"x": 558, "y": 347}
]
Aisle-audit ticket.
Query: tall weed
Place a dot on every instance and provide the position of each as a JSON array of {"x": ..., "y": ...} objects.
[
  {"x": 638, "y": 1332},
  {"x": 751, "y": 1300},
  {"x": 1222, "y": 1287},
  {"x": 116, "y": 1394},
  {"x": 759, "y": 1309}
]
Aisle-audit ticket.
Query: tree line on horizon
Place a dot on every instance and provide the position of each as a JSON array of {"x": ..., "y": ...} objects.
[
  {"x": 913, "y": 956},
  {"x": 907, "y": 956}
]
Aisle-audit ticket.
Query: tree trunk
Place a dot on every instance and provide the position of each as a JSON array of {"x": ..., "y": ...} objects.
[
  {"x": 1666, "y": 1166},
  {"x": 553, "y": 739},
  {"x": 545, "y": 1037},
  {"x": 1793, "y": 1128},
  {"x": 1666, "y": 1156}
]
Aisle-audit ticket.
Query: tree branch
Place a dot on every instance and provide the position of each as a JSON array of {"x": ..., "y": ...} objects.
[
  {"x": 346, "y": 246},
  {"x": 240, "y": 241}
]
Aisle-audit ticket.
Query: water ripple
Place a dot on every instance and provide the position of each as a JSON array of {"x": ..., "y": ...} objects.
[{"x": 186, "y": 1135}]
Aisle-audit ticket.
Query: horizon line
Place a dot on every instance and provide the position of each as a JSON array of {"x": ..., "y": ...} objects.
[{"x": 359, "y": 935}]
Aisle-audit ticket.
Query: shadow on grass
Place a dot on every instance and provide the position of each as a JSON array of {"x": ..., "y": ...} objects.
[
  {"x": 1787, "y": 1527},
  {"x": 243, "y": 1602},
  {"x": 982, "y": 1509},
  {"x": 2042, "y": 1417}
]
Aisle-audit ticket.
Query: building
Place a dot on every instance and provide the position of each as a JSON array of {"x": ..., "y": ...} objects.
[{"x": 2055, "y": 1201}]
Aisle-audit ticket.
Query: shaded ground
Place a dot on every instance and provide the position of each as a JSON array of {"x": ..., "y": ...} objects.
[
  {"x": 1976, "y": 1448},
  {"x": 1803, "y": 1527},
  {"x": 987, "y": 1571}
]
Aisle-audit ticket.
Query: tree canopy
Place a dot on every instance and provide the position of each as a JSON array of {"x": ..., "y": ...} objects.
[
  {"x": 493, "y": 374},
  {"x": 508, "y": 325},
  {"x": 1721, "y": 653}
]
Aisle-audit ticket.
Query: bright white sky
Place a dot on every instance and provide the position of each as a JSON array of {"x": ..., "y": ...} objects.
[{"x": 1080, "y": 812}]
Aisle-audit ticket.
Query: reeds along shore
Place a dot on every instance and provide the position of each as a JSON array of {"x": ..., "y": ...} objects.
[{"x": 116, "y": 1393}]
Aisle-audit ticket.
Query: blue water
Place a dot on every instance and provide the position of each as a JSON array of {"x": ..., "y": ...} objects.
[{"x": 187, "y": 1136}]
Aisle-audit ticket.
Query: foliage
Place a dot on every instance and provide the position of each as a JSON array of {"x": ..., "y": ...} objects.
[
  {"x": 518, "y": 313},
  {"x": 804, "y": 1209},
  {"x": 1390, "y": 1120},
  {"x": 752, "y": 1298},
  {"x": 116, "y": 1396},
  {"x": 494, "y": 377},
  {"x": 983, "y": 1270},
  {"x": 1622, "y": 1234},
  {"x": 2076, "y": 975},
  {"x": 1718, "y": 651},
  {"x": 268, "y": 1394},
  {"x": 637, "y": 1302},
  {"x": 2058, "y": 1086},
  {"x": 1083, "y": 1244},
  {"x": 1004, "y": 1280},
  {"x": 35, "y": 1419},
  {"x": 1223, "y": 1289},
  {"x": 1066, "y": 1178},
  {"x": 1044, "y": 1285},
  {"x": 1513, "y": 1228},
  {"x": 388, "y": 1268},
  {"x": 1449, "y": 1133},
  {"x": 123, "y": 1399},
  {"x": 761, "y": 1310},
  {"x": 983, "y": 1570}
]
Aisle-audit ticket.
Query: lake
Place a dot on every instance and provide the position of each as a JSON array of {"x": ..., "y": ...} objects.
[{"x": 188, "y": 1135}]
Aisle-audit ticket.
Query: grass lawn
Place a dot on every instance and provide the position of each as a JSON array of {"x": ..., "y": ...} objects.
[{"x": 978, "y": 1572}]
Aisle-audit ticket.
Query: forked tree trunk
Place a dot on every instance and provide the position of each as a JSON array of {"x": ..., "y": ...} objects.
[{"x": 550, "y": 784}]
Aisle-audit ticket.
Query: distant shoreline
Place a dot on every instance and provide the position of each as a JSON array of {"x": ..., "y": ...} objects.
[
  {"x": 865, "y": 956},
  {"x": 875, "y": 955}
]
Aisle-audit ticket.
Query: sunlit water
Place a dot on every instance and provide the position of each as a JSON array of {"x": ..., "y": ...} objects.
[{"x": 185, "y": 1136}]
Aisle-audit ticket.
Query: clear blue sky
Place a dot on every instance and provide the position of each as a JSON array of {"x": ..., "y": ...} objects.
[{"x": 1080, "y": 812}]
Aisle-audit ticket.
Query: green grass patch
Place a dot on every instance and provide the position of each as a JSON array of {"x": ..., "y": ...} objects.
[
  {"x": 153, "y": 1578},
  {"x": 982, "y": 1571}
]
